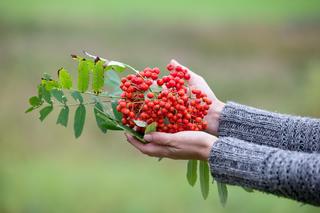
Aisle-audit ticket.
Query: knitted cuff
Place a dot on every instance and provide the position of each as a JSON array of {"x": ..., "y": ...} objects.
[
  {"x": 270, "y": 129},
  {"x": 237, "y": 162}
]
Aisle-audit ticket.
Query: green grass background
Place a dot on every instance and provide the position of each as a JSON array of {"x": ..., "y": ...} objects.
[{"x": 259, "y": 53}]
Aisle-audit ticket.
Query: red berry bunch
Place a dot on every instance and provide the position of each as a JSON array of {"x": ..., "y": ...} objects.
[{"x": 175, "y": 108}]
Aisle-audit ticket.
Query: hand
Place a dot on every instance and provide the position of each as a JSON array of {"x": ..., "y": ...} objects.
[
  {"x": 185, "y": 145},
  {"x": 215, "y": 110}
]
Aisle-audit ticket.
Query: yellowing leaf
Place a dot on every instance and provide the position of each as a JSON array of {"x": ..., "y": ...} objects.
[
  {"x": 65, "y": 79},
  {"x": 98, "y": 77},
  {"x": 151, "y": 128},
  {"x": 83, "y": 76}
]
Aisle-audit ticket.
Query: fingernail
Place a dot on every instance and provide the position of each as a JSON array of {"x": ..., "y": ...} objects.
[{"x": 148, "y": 137}]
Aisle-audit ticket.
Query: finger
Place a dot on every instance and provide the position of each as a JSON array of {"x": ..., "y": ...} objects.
[
  {"x": 161, "y": 138},
  {"x": 194, "y": 77},
  {"x": 150, "y": 149},
  {"x": 137, "y": 144}
]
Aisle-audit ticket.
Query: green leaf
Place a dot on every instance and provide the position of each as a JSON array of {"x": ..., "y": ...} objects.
[
  {"x": 151, "y": 128},
  {"x": 98, "y": 77},
  {"x": 140, "y": 123},
  {"x": 192, "y": 172},
  {"x": 59, "y": 95},
  {"x": 50, "y": 84},
  {"x": 79, "y": 120},
  {"x": 98, "y": 108},
  {"x": 44, "y": 112},
  {"x": 65, "y": 78},
  {"x": 248, "y": 189},
  {"x": 30, "y": 109},
  {"x": 204, "y": 178},
  {"x": 77, "y": 96},
  {"x": 116, "y": 66},
  {"x": 112, "y": 80},
  {"x": 116, "y": 114},
  {"x": 223, "y": 193},
  {"x": 137, "y": 135},
  {"x": 46, "y": 76},
  {"x": 35, "y": 101},
  {"x": 63, "y": 116},
  {"x": 108, "y": 122},
  {"x": 83, "y": 76},
  {"x": 45, "y": 94}
]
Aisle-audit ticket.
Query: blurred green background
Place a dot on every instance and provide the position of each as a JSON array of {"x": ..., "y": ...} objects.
[{"x": 260, "y": 53}]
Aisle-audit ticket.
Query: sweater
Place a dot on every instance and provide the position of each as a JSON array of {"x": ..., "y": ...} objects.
[{"x": 270, "y": 152}]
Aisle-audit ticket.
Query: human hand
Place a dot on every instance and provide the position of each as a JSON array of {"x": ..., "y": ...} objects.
[
  {"x": 185, "y": 145},
  {"x": 215, "y": 109}
]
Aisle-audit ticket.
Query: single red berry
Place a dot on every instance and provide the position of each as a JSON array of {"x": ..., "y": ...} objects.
[
  {"x": 170, "y": 67},
  {"x": 125, "y": 111},
  {"x": 160, "y": 82},
  {"x": 179, "y": 68},
  {"x": 150, "y": 95}
]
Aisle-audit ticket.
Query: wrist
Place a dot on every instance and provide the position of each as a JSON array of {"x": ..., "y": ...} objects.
[
  {"x": 213, "y": 117},
  {"x": 208, "y": 143}
]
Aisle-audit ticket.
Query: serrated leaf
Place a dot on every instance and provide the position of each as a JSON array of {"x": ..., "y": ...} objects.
[
  {"x": 63, "y": 116},
  {"x": 108, "y": 122},
  {"x": 50, "y": 84},
  {"x": 137, "y": 135},
  {"x": 83, "y": 76},
  {"x": 98, "y": 77},
  {"x": 44, "y": 112},
  {"x": 65, "y": 79},
  {"x": 46, "y": 76},
  {"x": 30, "y": 109},
  {"x": 140, "y": 123},
  {"x": 59, "y": 95},
  {"x": 204, "y": 178},
  {"x": 116, "y": 114},
  {"x": 223, "y": 193},
  {"x": 116, "y": 66},
  {"x": 98, "y": 108},
  {"x": 192, "y": 171},
  {"x": 79, "y": 120},
  {"x": 35, "y": 101},
  {"x": 112, "y": 80},
  {"x": 248, "y": 189},
  {"x": 151, "y": 128},
  {"x": 77, "y": 96},
  {"x": 45, "y": 94}
]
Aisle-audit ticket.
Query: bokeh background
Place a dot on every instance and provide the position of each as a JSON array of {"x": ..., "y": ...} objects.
[{"x": 260, "y": 53}]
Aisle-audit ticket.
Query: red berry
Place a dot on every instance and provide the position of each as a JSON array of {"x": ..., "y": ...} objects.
[
  {"x": 160, "y": 82},
  {"x": 170, "y": 67},
  {"x": 150, "y": 95}
]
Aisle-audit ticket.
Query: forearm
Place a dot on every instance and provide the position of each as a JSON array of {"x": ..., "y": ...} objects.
[
  {"x": 271, "y": 129},
  {"x": 281, "y": 172}
]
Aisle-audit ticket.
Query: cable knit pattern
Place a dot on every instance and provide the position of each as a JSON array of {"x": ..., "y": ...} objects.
[
  {"x": 271, "y": 129},
  {"x": 290, "y": 174}
]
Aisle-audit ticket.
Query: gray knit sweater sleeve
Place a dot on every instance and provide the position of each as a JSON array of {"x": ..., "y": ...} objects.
[
  {"x": 271, "y": 129},
  {"x": 290, "y": 174}
]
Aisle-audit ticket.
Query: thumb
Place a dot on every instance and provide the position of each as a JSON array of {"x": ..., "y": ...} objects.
[
  {"x": 161, "y": 138},
  {"x": 194, "y": 77}
]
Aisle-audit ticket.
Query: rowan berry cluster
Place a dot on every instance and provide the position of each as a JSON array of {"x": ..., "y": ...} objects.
[{"x": 175, "y": 108}]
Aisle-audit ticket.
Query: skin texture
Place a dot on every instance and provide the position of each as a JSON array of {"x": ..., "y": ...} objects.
[{"x": 187, "y": 144}]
